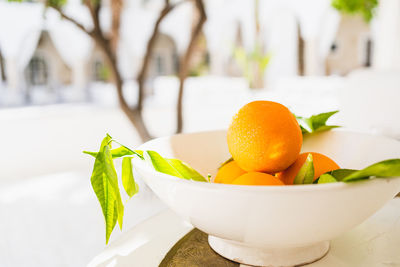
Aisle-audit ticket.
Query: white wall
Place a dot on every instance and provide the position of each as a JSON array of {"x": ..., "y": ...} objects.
[
  {"x": 42, "y": 140},
  {"x": 387, "y": 35}
]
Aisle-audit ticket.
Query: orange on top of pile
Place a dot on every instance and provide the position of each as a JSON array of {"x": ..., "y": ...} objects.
[{"x": 265, "y": 140}]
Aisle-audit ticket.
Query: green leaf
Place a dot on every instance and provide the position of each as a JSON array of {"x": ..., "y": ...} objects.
[
  {"x": 122, "y": 151},
  {"x": 320, "y": 120},
  {"x": 93, "y": 154},
  {"x": 104, "y": 194},
  {"x": 248, "y": 60},
  {"x": 326, "y": 128},
  {"x": 386, "y": 168},
  {"x": 303, "y": 130},
  {"x": 160, "y": 164},
  {"x": 326, "y": 178},
  {"x": 186, "y": 171},
  {"x": 128, "y": 181},
  {"x": 56, "y": 3},
  {"x": 105, "y": 185},
  {"x": 264, "y": 62},
  {"x": 48, "y": 3},
  {"x": 172, "y": 167},
  {"x": 366, "y": 8},
  {"x": 112, "y": 176},
  {"x": 225, "y": 162},
  {"x": 305, "y": 125},
  {"x": 316, "y": 123},
  {"x": 119, "y": 152},
  {"x": 340, "y": 174},
  {"x": 306, "y": 172}
]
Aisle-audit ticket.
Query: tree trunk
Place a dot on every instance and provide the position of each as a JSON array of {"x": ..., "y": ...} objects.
[
  {"x": 185, "y": 62},
  {"x": 141, "y": 78},
  {"x": 108, "y": 47},
  {"x": 116, "y": 10},
  {"x": 2, "y": 68},
  {"x": 133, "y": 114}
]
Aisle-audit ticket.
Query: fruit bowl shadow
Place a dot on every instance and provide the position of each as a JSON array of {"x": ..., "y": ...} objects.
[{"x": 272, "y": 225}]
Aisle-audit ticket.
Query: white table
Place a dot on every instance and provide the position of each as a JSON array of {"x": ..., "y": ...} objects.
[{"x": 374, "y": 243}]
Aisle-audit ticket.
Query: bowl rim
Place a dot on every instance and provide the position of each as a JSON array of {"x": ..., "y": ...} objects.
[{"x": 138, "y": 163}]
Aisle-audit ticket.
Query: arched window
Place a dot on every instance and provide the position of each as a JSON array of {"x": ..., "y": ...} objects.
[
  {"x": 164, "y": 60},
  {"x": 160, "y": 64},
  {"x": 37, "y": 71}
]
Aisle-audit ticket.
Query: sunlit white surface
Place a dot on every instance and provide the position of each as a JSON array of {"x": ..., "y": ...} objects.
[
  {"x": 368, "y": 101},
  {"x": 55, "y": 220},
  {"x": 374, "y": 243}
]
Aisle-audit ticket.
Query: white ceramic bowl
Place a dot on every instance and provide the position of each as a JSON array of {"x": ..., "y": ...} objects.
[{"x": 272, "y": 225}]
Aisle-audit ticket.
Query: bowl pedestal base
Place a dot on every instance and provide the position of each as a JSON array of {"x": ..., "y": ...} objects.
[{"x": 282, "y": 257}]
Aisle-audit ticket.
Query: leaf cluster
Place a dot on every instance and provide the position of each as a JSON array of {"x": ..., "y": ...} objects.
[
  {"x": 247, "y": 60},
  {"x": 382, "y": 169},
  {"x": 104, "y": 177},
  {"x": 366, "y": 8},
  {"x": 316, "y": 123},
  {"x": 49, "y": 3}
]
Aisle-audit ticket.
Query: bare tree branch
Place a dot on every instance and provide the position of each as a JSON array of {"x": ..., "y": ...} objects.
[
  {"x": 185, "y": 63},
  {"x": 94, "y": 12},
  {"x": 116, "y": 10},
  {"x": 149, "y": 51},
  {"x": 70, "y": 19},
  {"x": 109, "y": 50},
  {"x": 108, "y": 46},
  {"x": 133, "y": 114}
]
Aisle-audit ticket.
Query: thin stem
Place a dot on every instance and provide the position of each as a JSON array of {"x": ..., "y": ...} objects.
[{"x": 133, "y": 151}]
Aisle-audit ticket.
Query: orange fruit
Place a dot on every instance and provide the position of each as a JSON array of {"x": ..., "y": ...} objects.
[
  {"x": 322, "y": 164},
  {"x": 229, "y": 172},
  {"x": 264, "y": 136},
  {"x": 257, "y": 178}
]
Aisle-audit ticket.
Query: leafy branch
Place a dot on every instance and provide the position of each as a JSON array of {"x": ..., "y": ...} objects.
[
  {"x": 104, "y": 177},
  {"x": 316, "y": 123},
  {"x": 104, "y": 181},
  {"x": 382, "y": 169},
  {"x": 366, "y": 8}
]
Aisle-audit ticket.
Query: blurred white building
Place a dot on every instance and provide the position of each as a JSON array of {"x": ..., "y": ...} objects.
[{"x": 45, "y": 54}]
